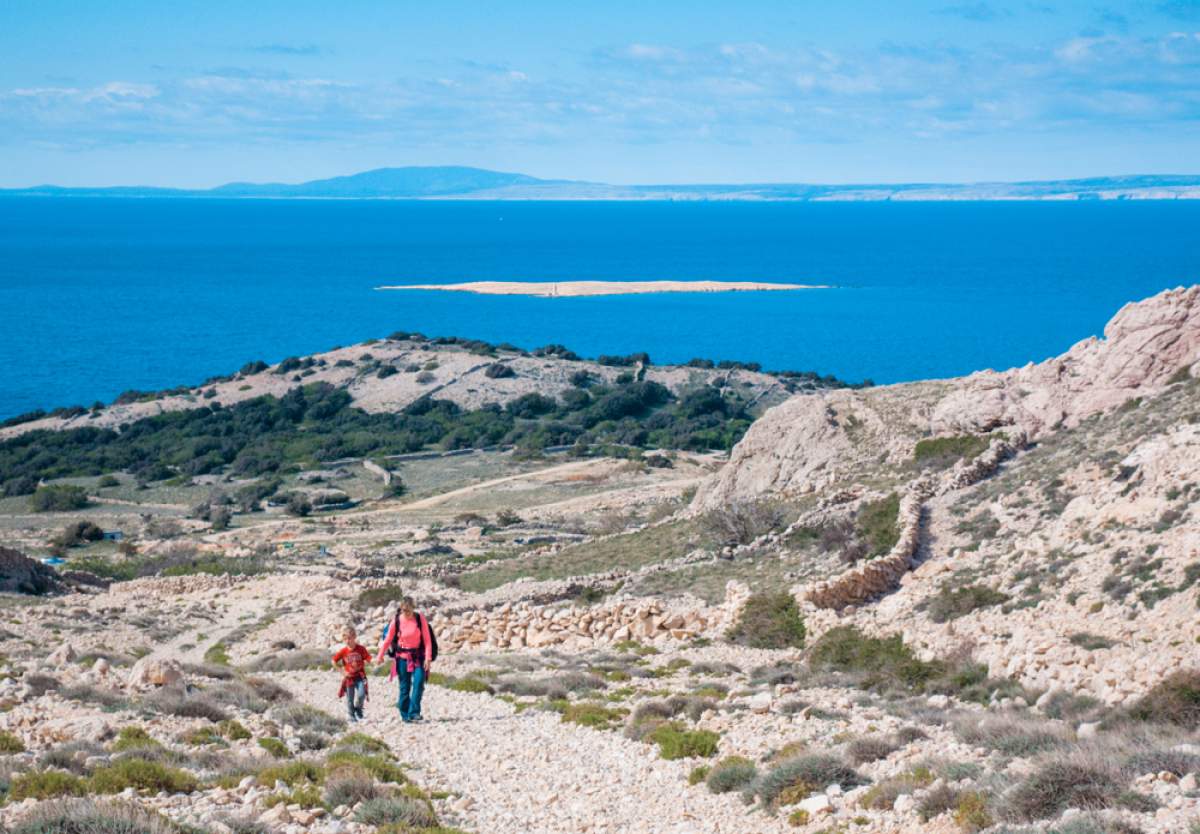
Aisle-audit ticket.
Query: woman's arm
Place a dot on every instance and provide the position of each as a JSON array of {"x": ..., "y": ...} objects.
[
  {"x": 427, "y": 641},
  {"x": 385, "y": 642}
]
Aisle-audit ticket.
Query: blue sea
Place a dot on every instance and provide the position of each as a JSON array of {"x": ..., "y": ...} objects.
[{"x": 102, "y": 295}]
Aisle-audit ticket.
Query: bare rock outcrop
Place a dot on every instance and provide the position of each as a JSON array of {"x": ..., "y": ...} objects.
[
  {"x": 820, "y": 440},
  {"x": 22, "y": 575}
]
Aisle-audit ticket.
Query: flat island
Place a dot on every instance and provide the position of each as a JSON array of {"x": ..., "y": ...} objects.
[{"x": 552, "y": 289}]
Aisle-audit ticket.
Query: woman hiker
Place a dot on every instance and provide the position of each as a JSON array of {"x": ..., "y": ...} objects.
[{"x": 407, "y": 641}]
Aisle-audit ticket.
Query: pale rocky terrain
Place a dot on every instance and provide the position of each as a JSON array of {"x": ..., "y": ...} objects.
[{"x": 995, "y": 576}]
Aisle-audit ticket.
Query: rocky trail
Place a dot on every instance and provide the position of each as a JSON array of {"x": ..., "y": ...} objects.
[{"x": 530, "y": 772}]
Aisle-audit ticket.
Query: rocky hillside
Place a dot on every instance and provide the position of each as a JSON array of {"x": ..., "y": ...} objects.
[
  {"x": 954, "y": 606},
  {"x": 389, "y": 374}
]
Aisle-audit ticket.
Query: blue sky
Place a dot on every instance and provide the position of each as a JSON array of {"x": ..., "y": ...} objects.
[{"x": 195, "y": 94}]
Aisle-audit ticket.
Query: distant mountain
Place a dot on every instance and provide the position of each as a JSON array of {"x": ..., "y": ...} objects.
[{"x": 455, "y": 182}]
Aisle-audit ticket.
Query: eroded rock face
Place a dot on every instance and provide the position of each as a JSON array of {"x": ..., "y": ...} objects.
[
  {"x": 22, "y": 575},
  {"x": 1144, "y": 346},
  {"x": 817, "y": 441}
]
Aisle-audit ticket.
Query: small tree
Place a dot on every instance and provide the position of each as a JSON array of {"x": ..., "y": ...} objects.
[
  {"x": 298, "y": 504},
  {"x": 741, "y": 522},
  {"x": 58, "y": 498}
]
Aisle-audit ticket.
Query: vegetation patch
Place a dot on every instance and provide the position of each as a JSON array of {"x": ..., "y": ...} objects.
[
  {"x": 943, "y": 452},
  {"x": 769, "y": 620},
  {"x": 732, "y": 773},
  {"x": 952, "y": 602},
  {"x": 795, "y": 779},
  {"x": 45, "y": 784},
  {"x": 1060, "y": 784},
  {"x": 1175, "y": 700},
  {"x": 141, "y": 775},
  {"x": 676, "y": 742}
]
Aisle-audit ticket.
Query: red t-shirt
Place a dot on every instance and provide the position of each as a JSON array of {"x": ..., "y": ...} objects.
[{"x": 353, "y": 660}]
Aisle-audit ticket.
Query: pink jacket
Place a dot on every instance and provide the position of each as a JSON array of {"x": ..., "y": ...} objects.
[{"x": 411, "y": 636}]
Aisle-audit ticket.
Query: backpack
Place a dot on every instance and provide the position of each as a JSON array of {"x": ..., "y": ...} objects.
[{"x": 394, "y": 649}]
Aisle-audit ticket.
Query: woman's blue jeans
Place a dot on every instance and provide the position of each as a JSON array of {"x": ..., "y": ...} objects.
[{"x": 412, "y": 686}]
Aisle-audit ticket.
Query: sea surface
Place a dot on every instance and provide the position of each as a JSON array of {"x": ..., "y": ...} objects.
[{"x": 102, "y": 295}]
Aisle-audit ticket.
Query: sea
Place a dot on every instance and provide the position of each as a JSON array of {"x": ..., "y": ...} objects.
[{"x": 101, "y": 295}]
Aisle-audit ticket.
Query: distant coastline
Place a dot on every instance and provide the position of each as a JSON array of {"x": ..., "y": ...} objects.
[
  {"x": 564, "y": 289},
  {"x": 464, "y": 183}
]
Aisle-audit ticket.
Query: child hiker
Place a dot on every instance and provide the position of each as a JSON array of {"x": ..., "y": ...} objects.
[
  {"x": 353, "y": 659},
  {"x": 408, "y": 641}
]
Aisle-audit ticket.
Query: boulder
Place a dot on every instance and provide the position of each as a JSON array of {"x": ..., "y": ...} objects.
[{"x": 153, "y": 672}]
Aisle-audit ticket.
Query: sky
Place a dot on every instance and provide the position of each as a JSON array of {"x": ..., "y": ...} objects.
[{"x": 194, "y": 94}]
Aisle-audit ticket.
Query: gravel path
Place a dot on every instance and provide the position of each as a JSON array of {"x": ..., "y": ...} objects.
[{"x": 532, "y": 773}]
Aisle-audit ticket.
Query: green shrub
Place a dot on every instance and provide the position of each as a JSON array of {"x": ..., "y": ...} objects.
[
  {"x": 876, "y": 523},
  {"x": 675, "y": 742},
  {"x": 941, "y": 452},
  {"x": 971, "y": 812},
  {"x": 731, "y": 774},
  {"x": 350, "y": 789},
  {"x": 870, "y": 749},
  {"x": 1175, "y": 700},
  {"x": 45, "y": 784},
  {"x": 1060, "y": 784},
  {"x": 793, "y": 780},
  {"x": 9, "y": 743},
  {"x": 593, "y": 715},
  {"x": 950, "y": 603},
  {"x": 141, "y": 775},
  {"x": 132, "y": 738},
  {"x": 306, "y": 796},
  {"x": 58, "y": 498},
  {"x": 202, "y": 736},
  {"x": 293, "y": 774},
  {"x": 882, "y": 796},
  {"x": 363, "y": 743},
  {"x": 233, "y": 730},
  {"x": 305, "y": 717},
  {"x": 81, "y": 816},
  {"x": 883, "y": 662},
  {"x": 698, "y": 774},
  {"x": 275, "y": 747},
  {"x": 769, "y": 620},
  {"x": 468, "y": 684},
  {"x": 378, "y": 766},
  {"x": 399, "y": 810}
]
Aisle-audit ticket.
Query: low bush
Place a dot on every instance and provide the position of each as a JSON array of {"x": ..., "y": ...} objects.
[
  {"x": 795, "y": 779},
  {"x": 10, "y": 743},
  {"x": 39, "y": 684},
  {"x": 1175, "y": 700},
  {"x": 300, "y": 661},
  {"x": 769, "y": 620},
  {"x": 941, "y": 452},
  {"x": 950, "y": 602},
  {"x": 870, "y": 749},
  {"x": 350, "y": 790},
  {"x": 1011, "y": 735},
  {"x": 81, "y": 816},
  {"x": 936, "y": 802},
  {"x": 70, "y": 757},
  {"x": 275, "y": 747},
  {"x": 233, "y": 730},
  {"x": 178, "y": 702},
  {"x": 675, "y": 742},
  {"x": 363, "y": 743},
  {"x": 972, "y": 813},
  {"x": 380, "y": 767},
  {"x": 1063, "y": 783},
  {"x": 883, "y": 795},
  {"x": 45, "y": 784},
  {"x": 593, "y": 715},
  {"x": 399, "y": 810},
  {"x": 293, "y": 774},
  {"x": 730, "y": 774},
  {"x": 304, "y": 717},
  {"x": 140, "y": 775},
  {"x": 876, "y": 524},
  {"x": 132, "y": 738},
  {"x": 883, "y": 663}
]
